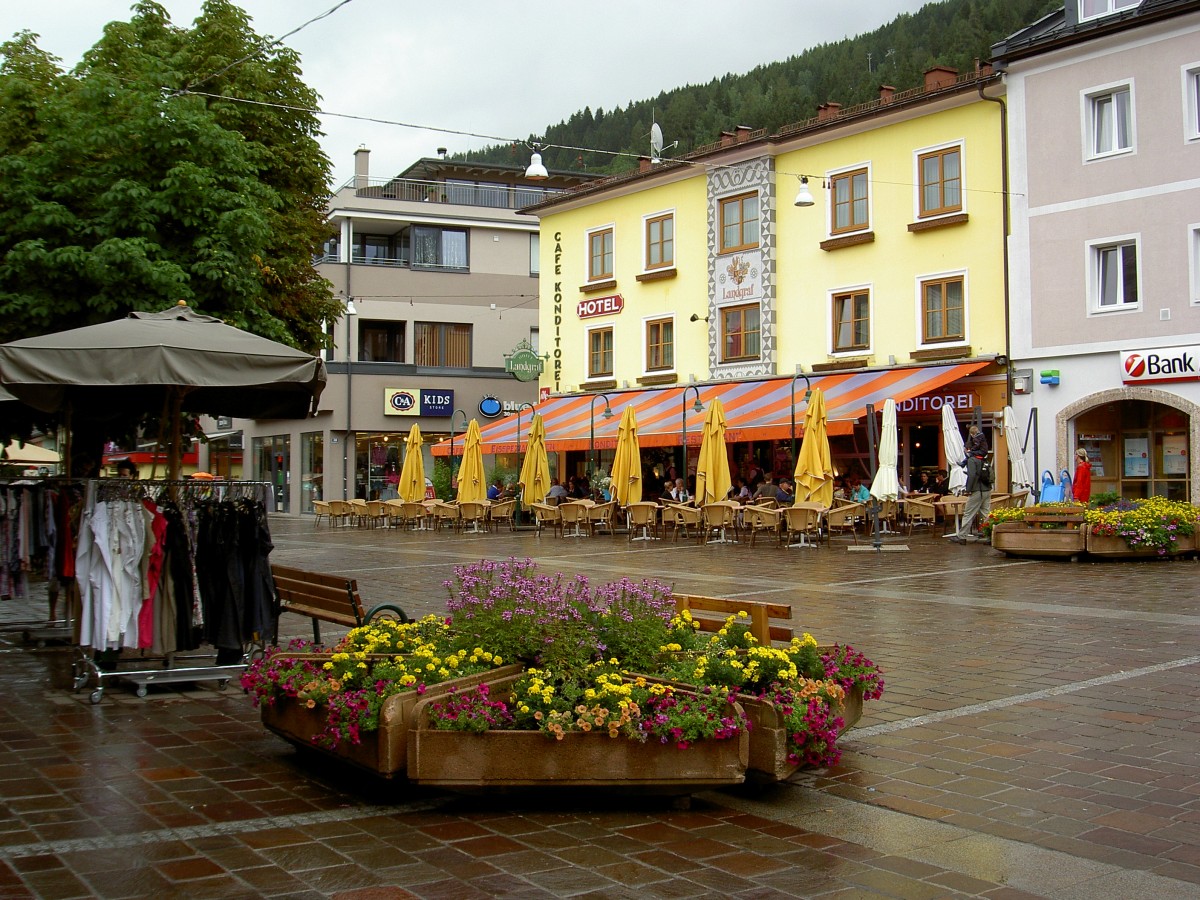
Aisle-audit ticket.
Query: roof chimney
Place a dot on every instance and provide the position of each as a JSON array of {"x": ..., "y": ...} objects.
[
  {"x": 362, "y": 166},
  {"x": 827, "y": 111},
  {"x": 728, "y": 138},
  {"x": 743, "y": 133},
  {"x": 644, "y": 164},
  {"x": 886, "y": 92},
  {"x": 442, "y": 152},
  {"x": 940, "y": 77}
]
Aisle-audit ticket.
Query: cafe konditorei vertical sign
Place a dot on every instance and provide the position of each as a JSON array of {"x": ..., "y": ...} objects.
[{"x": 558, "y": 309}]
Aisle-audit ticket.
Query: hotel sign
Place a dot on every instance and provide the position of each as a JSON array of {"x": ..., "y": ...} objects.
[{"x": 600, "y": 306}]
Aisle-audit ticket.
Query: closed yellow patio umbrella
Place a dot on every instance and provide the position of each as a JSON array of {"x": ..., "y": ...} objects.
[
  {"x": 814, "y": 468},
  {"x": 412, "y": 474},
  {"x": 627, "y": 462},
  {"x": 712, "y": 469},
  {"x": 471, "y": 478},
  {"x": 535, "y": 470}
]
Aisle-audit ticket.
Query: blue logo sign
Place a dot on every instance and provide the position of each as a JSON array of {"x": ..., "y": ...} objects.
[
  {"x": 435, "y": 402},
  {"x": 403, "y": 401},
  {"x": 490, "y": 407}
]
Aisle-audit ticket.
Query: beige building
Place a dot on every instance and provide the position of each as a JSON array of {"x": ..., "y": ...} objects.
[{"x": 439, "y": 274}]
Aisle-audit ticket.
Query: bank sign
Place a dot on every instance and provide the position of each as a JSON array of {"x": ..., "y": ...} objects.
[
  {"x": 1163, "y": 364},
  {"x": 417, "y": 402}
]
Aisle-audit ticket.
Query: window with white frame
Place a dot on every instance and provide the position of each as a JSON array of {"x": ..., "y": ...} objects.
[
  {"x": 943, "y": 309},
  {"x": 1191, "y": 102},
  {"x": 600, "y": 352},
  {"x": 739, "y": 223},
  {"x": 600, "y": 254},
  {"x": 1108, "y": 114},
  {"x": 660, "y": 344},
  {"x": 1113, "y": 275},
  {"x": 939, "y": 176},
  {"x": 535, "y": 251},
  {"x": 1194, "y": 257},
  {"x": 851, "y": 315},
  {"x": 1094, "y": 9},
  {"x": 850, "y": 202},
  {"x": 660, "y": 241}
]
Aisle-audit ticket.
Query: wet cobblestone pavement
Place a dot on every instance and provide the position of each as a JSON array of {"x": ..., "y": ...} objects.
[{"x": 1038, "y": 737}]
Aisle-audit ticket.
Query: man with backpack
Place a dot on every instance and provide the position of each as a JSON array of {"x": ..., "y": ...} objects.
[{"x": 979, "y": 486}]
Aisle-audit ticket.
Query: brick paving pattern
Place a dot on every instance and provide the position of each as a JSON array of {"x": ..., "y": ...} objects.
[{"x": 1037, "y": 739}]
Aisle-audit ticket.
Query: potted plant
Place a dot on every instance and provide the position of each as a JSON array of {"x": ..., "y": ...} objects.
[
  {"x": 1155, "y": 527},
  {"x": 595, "y": 727},
  {"x": 1045, "y": 529},
  {"x": 354, "y": 702}
]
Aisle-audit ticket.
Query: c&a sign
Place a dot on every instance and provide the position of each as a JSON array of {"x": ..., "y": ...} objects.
[{"x": 417, "y": 402}]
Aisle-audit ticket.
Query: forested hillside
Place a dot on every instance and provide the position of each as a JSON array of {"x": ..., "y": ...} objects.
[{"x": 952, "y": 32}]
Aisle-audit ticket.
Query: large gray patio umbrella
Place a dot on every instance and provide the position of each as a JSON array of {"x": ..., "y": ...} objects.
[{"x": 177, "y": 361}]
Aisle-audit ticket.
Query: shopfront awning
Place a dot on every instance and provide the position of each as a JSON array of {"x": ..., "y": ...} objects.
[{"x": 754, "y": 410}]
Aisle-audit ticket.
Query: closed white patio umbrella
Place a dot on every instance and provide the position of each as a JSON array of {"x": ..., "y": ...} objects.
[
  {"x": 1018, "y": 468},
  {"x": 886, "y": 485},
  {"x": 952, "y": 444}
]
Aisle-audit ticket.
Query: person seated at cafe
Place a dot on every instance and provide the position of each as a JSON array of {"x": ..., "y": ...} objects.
[
  {"x": 839, "y": 488},
  {"x": 557, "y": 490},
  {"x": 941, "y": 484},
  {"x": 580, "y": 489},
  {"x": 766, "y": 489},
  {"x": 859, "y": 492},
  {"x": 495, "y": 490},
  {"x": 785, "y": 495},
  {"x": 678, "y": 492},
  {"x": 739, "y": 491}
]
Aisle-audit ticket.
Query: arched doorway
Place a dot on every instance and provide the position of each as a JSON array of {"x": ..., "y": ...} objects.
[{"x": 1140, "y": 442}]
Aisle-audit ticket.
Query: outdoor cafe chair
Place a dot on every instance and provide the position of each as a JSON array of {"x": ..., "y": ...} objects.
[
  {"x": 445, "y": 514},
  {"x": 321, "y": 509},
  {"x": 339, "y": 512},
  {"x": 888, "y": 512},
  {"x": 360, "y": 512},
  {"x": 393, "y": 511},
  {"x": 600, "y": 517},
  {"x": 681, "y": 518},
  {"x": 757, "y": 518},
  {"x": 719, "y": 519},
  {"x": 546, "y": 514},
  {"x": 415, "y": 515},
  {"x": 574, "y": 514},
  {"x": 643, "y": 517},
  {"x": 503, "y": 513},
  {"x": 376, "y": 513},
  {"x": 802, "y": 522},
  {"x": 842, "y": 519},
  {"x": 919, "y": 512},
  {"x": 473, "y": 513}
]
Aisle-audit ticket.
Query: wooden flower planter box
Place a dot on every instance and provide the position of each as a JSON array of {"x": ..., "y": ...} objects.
[
  {"x": 463, "y": 760},
  {"x": 768, "y": 754},
  {"x": 1042, "y": 534},
  {"x": 384, "y": 751},
  {"x": 1110, "y": 547}
]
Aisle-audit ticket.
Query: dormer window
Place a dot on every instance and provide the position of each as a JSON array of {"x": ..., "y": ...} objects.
[{"x": 1094, "y": 9}]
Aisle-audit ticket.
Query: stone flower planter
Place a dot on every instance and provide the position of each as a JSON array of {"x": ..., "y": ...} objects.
[
  {"x": 384, "y": 751},
  {"x": 1111, "y": 547},
  {"x": 463, "y": 760}
]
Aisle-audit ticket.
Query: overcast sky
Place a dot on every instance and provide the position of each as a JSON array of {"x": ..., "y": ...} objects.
[{"x": 503, "y": 69}]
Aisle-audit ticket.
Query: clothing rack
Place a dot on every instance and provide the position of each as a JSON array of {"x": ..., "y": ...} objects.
[{"x": 145, "y": 668}]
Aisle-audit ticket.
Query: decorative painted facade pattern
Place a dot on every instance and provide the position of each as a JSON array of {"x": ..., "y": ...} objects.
[{"x": 755, "y": 174}]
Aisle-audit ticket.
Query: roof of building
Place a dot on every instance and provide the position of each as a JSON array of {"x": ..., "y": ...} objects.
[
  {"x": 1061, "y": 28},
  {"x": 830, "y": 117}
]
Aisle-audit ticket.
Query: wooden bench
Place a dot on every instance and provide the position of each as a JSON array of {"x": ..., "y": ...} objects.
[
  {"x": 770, "y": 623},
  {"x": 325, "y": 598}
]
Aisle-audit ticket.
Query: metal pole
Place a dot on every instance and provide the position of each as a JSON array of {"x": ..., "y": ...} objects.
[
  {"x": 592, "y": 450},
  {"x": 517, "y": 513},
  {"x": 465, "y": 425},
  {"x": 807, "y": 394}
]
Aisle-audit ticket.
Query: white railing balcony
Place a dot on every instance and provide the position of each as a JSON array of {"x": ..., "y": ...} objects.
[{"x": 492, "y": 196}]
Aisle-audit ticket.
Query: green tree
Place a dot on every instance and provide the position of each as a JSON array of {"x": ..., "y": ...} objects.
[{"x": 132, "y": 182}]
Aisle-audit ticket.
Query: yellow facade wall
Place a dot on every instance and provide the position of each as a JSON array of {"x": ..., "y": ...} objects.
[
  {"x": 806, "y": 276},
  {"x": 892, "y": 265}
]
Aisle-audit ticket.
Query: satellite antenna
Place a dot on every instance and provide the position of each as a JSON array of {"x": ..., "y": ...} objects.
[{"x": 656, "y": 144}]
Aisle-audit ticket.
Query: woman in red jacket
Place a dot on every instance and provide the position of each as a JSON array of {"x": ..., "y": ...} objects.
[{"x": 1081, "y": 485}]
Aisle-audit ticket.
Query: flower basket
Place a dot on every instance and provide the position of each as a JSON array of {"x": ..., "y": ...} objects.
[
  {"x": 383, "y": 751},
  {"x": 466, "y": 760},
  {"x": 1110, "y": 546},
  {"x": 1024, "y": 539}
]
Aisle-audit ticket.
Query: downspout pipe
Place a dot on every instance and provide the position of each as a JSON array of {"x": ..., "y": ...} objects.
[{"x": 1007, "y": 225}]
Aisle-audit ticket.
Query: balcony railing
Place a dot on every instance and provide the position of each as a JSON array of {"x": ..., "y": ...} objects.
[
  {"x": 493, "y": 196},
  {"x": 401, "y": 263}
]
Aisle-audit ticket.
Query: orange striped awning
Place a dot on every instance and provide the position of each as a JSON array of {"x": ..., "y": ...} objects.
[{"x": 754, "y": 410}]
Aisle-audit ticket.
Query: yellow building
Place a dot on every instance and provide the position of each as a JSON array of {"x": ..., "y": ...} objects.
[{"x": 863, "y": 248}]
